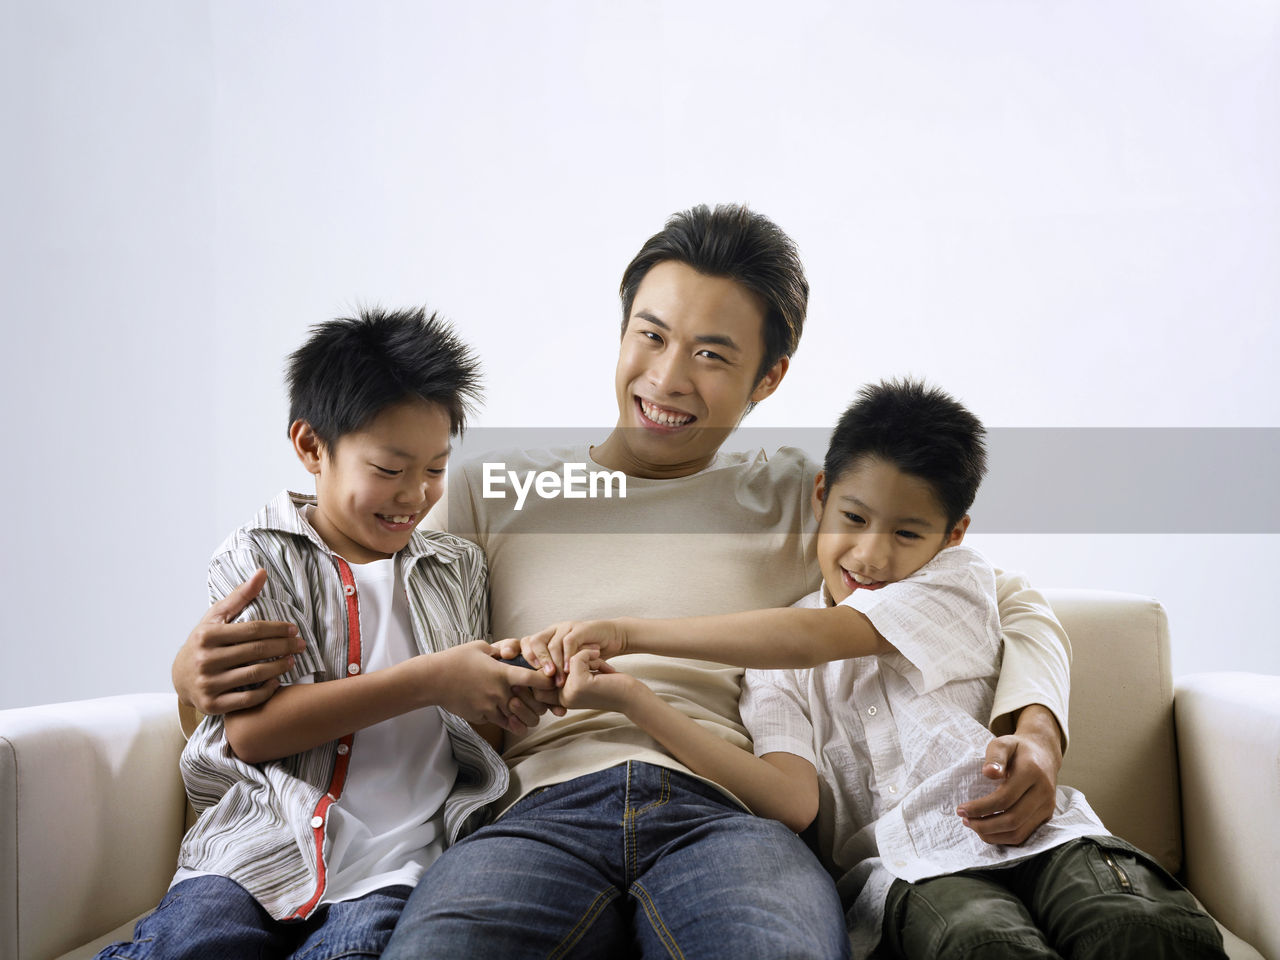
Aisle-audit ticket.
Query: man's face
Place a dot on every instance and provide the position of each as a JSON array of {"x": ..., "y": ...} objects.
[
  {"x": 378, "y": 483},
  {"x": 686, "y": 371},
  {"x": 877, "y": 525}
]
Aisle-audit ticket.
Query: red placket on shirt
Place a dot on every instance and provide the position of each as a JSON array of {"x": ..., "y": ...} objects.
[{"x": 338, "y": 780}]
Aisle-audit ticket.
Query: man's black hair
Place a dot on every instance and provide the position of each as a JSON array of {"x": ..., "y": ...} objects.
[
  {"x": 922, "y": 431},
  {"x": 748, "y": 248},
  {"x": 351, "y": 369}
]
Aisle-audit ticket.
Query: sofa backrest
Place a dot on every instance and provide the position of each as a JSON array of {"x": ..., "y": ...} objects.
[{"x": 1122, "y": 751}]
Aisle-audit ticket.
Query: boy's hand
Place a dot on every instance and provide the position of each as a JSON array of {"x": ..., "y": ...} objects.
[
  {"x": 594, "y": 685},
  {"x": 226, "y": 666},
  {"x": 550, "y": 650},
  {"x": 469, "y": 681}
]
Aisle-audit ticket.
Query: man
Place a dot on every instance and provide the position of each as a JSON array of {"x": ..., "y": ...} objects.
[{"x": 604, "y": 838}]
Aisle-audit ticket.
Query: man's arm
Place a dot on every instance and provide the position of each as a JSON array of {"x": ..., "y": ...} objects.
[
  {"x": 1031, "y": 701},
  {"x": 780, "y": 786},
  {"x": 225, "y": 665}
]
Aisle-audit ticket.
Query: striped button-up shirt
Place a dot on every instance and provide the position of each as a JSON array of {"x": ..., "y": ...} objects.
[{"x": 264, "y": 825}]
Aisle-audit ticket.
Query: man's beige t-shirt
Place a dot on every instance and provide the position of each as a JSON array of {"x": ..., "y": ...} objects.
[{"x": 739, "y": 535}]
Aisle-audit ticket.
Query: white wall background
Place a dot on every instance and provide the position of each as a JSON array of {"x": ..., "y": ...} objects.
[{"x": 1066, "y": 212}]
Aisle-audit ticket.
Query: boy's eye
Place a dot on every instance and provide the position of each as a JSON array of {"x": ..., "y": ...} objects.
[
  {"x": 385, "y": 471},
  {"x": 908, "y": 534},
  {"x": 853, "y": 518},
  {"x": 436, "y": 471}
]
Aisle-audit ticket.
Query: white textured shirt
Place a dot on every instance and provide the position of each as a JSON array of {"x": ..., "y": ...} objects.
[{"x": 897, "y": 739}]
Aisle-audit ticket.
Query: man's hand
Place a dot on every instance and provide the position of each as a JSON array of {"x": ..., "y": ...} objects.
[
  {"x": 550, "y": 650},
  {"x": 224, "y": 666},
  {"x": 1027, "y": 763}
]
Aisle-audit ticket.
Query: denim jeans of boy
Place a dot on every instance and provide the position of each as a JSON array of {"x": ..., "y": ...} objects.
[
  {"x": 212, "y": 917},
  {"x": 1096, "y": 897},
  {"x": 633, "y": 861}
]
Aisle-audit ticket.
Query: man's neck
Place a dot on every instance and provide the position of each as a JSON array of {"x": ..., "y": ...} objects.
[{"x": 616, "y": 454}]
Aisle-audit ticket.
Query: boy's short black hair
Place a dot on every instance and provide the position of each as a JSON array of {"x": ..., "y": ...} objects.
[
  {"x": 748, "y": 248},
  {"x": 351, "y": 369},
  {"x": 922, "y": 431}
]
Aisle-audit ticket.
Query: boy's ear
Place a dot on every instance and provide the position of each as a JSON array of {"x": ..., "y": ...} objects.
[
  {"x": 957, "y": 532},
  {"x": 819, "y": 493},
  {"x": 306, "y": 445},
  {"x": 769, "y": 382}
]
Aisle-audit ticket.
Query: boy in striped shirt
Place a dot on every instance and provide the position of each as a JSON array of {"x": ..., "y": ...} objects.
[{"x": 320, "y": 808}]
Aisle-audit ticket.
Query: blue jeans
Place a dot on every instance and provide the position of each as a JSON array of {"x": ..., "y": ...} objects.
[
  {"x": 633, "y": 861},
  {"x": 213, "y": 917}
]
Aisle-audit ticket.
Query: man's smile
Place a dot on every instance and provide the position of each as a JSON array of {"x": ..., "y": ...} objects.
[{"x": 652, "y": 413}]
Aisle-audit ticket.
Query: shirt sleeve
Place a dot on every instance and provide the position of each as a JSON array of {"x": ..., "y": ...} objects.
[
  {"x": 942, "y": 620},
  {"x": 775, "y": 711},
  {"x": 276, "y": 601},
  {"x": 1037, "y": 656}
]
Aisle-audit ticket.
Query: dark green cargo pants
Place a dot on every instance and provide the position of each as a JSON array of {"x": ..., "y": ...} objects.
[{"x": 1097, "y": 897}]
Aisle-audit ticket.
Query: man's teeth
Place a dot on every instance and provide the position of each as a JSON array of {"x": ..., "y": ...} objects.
[{"x": 658, "y": 415}]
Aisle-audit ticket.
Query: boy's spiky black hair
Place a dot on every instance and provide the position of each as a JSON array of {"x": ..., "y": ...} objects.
[
  {"x": 351, "y": 369},
  {"x": 922, "y": 431}
]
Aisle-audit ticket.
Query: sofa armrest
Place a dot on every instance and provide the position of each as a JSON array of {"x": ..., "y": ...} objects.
[
  {"x": 1228, "y": 728},
  {"x": 91, "y": 815}
]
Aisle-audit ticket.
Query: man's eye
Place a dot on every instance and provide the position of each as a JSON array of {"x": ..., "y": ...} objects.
[
  {"x": 711, "y": 355},
  {"x": 651, "y": 336}
]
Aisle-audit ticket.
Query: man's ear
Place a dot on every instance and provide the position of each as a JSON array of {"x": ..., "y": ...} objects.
[
  {"x": 769, "y": 382},
  {"x": 819, "y": 495},
  {"x": 308, "y": 446},
  {"x": 957, "y": 532}
]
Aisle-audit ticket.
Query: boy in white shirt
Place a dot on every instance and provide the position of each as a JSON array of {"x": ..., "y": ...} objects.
[
  {"x": 320, "y": 808},
  {"x": 870, "y": 716}
]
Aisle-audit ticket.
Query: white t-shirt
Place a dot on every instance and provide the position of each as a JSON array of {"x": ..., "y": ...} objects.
[{"x": 387, "y": 828}]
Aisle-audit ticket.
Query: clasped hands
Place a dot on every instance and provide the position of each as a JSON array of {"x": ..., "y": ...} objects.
[{"x": 574, "y": 653}]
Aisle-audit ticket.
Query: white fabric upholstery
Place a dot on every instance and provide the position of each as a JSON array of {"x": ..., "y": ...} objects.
[
  {"x": 91, "y": 804},
  {"x": 92, "y": 811},
  {"x": 1228, "y": 731}
]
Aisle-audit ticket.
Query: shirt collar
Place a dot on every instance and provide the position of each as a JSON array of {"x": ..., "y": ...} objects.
[{"x": 284, "y": 515}]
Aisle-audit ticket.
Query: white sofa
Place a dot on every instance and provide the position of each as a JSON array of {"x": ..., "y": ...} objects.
[{"x": 92, "y": 807}]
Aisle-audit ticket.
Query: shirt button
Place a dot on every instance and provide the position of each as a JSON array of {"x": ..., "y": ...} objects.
[
  {"x": 343, "y": 749},
  {"x": 893, "y": 789},
  {"x": 899, "y": 863},
  {"x": 317, "y": 823},
  {"x": 353, "y": 668},
  {"x": 871, "y": 711},
  {"x": 349, "y": 589}
]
